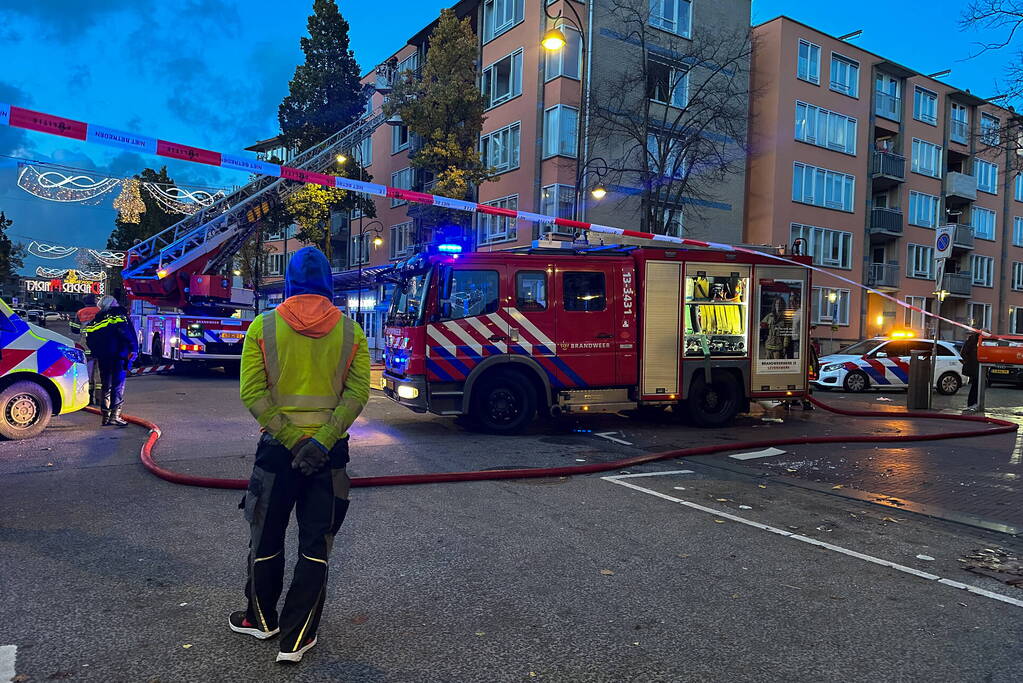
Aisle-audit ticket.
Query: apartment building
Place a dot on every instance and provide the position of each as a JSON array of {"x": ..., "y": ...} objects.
[{"x": 863, "y": 158}]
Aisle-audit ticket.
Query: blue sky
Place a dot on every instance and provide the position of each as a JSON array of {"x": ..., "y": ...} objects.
[{"x": 211, "y": 73}]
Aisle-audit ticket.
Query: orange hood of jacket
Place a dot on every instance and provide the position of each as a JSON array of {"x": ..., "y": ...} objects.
[{"x": 311, "y": 315}]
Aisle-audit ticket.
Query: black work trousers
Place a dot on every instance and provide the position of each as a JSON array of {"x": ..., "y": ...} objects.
[
  {"x": 320, "y": 501},
  {"x": 971, "y": 400},
  {"x": 112, "y": 374}
]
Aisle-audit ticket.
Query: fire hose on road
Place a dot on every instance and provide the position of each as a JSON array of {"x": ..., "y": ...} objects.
[{"x": 998, "y": 427}]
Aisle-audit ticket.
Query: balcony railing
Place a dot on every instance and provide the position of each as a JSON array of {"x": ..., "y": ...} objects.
[
  {"x": 961, "y": 185},
  {"x": 888, "y": 106},
  {"x": 885, "y": 221},
  {"x": 963, "y": 236},
  {"x": 959, "y": 131},
  {"x": 884, "y": 275},
  {"x": 889, "y": 165},
  {"x": 958, "y": 284}
]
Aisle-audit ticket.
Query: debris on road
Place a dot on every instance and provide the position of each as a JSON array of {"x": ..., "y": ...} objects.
[
  {"x": 925, "y": 557},
  {"x": 607, "y": 572},
  {"x": 745, "y": 507},
  {"x": 996, "y": 563}
]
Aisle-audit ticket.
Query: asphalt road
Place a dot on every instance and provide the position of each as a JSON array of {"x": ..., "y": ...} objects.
[{"x": 697, "y": 574}]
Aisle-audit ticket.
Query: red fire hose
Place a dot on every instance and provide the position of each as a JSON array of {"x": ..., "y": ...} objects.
[{"x": 1000, "y": 427}]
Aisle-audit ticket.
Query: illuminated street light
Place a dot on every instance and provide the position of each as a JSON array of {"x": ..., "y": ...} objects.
[
  {"x": 554, "y": 40},
  {"x": 378, "y": 241},
  {"x": 598, "y": 193},
  {"x": 341, "y": 158}
]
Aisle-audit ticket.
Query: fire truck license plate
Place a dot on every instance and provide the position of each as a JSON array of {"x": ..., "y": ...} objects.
[
  {"x": 231, "y": 336},
  {"x": 999, "y": 371}
]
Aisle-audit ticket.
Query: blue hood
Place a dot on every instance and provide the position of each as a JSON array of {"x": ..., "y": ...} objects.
[{"x": 308, "y": 273}]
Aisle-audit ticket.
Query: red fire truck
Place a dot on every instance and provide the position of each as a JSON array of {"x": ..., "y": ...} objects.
[{"x": 567, "y": 328}]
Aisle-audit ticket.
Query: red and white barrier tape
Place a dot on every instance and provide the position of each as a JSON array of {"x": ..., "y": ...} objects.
[
  {"x": 150, "y": 370},
  {"x": 94, "y": 133}
]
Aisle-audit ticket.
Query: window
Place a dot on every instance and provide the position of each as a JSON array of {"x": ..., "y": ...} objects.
[
  {"x": 983, "y": 268},
  {"x": 1019, "y": 187},
  {"x": 560, "y": 131},
  {"x": 821, "y": 187},
  {"x": 275, "y": 264},
  {"x": 923, "y": 209},
  {"x": 402, "y": 236},
  {"x": 499, "y": 16},
  {"x": 410, "y": 63},
  {"x": 674, "y": 16},
  {"x": 531, "y": 290},
  {"x": 667, "y": 83},
  {"x": 399, "y": 138},
  {"x": 825, "y": 128},
  {"x": 498, "y": 228},
  {"x": 1017, "y": 277},
  {"x": 673, "y": 222},
  {"x": 921, "y": 262},
  {"x": 584, "y": 292},
  {"x": 845, "y": 75},
  {"x": 473, "y": 292},
  {"x": 827, "y": 312},
  {"x": 363, "y": 151},
  {"x": 403, "y": 181},
  {"x": 980, "y": 316},
  {"x": 557, "y": 201},
  {"x": 960, "y": 123},
  {"x": 989, "y": 126},
  {"x": 987, "y": 176},
  {"x": 500, "y": 149},
  {"x": 358, "y": 254},
  {"x": 1017, "y": 231},
  {"x": 926, "y": 158},
  {"x": 666, "y": 156},
  {"x": 832, "y": 248},
  {"x": 925, "y": 105},
  {"x": 502, "y": 80},
  {"x": 983, "y": 223},
  {"x": 915, "y": 319},
  {"x": 809, "y": 68},
  {"x": 566, "y": 61},
  {"x": 888, "y": 97},
  {"x": 1015, "y": 319}
]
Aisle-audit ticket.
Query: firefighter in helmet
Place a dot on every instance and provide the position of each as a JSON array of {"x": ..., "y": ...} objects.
[{"x": 113, "y": 342}]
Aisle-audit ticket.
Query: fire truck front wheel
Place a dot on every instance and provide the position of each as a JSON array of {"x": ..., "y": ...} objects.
[
  {"x": 503, "y": 403},
  {"x": 25, "y": 410},
  {"x": 715, "y": 404}
]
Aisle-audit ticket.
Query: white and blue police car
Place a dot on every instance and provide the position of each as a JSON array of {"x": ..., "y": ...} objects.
[{"x": 883, "y": 363}]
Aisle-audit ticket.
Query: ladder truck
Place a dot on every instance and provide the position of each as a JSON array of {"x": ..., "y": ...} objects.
[{"x": 185, "y": 303}]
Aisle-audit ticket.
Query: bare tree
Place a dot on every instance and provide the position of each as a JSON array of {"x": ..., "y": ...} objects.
[{"x": 672, "y": 117}]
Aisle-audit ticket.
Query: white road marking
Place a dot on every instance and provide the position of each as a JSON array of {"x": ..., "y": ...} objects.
[
  {"x": 647, "y": 474},
  {"x": 607, "y": 435},
  {"x": 8, "y": 653},
  {"x": 766, "y": 453},
  {"x": 617, "y": 479}
]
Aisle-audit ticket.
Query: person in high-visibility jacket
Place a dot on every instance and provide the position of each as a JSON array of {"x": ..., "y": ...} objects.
[{"x": 305, "y": 378}]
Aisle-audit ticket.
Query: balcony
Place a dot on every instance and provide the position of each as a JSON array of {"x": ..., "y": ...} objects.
[
  {"x": 959, "y": 186},
  {"x": 963, "y": 238},
  {"x": 888, "y": 106},
  {"x": 958, "y": 284},
  {"x": 887, "y": 170},
  {"x": 959, "y": 131},
  {"x": 884, "y": 275},
  {"x": 885, "y": 222}
]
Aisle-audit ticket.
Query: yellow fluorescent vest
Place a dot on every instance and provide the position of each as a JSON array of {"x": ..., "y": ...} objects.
[{"x": 297, "y": 386}]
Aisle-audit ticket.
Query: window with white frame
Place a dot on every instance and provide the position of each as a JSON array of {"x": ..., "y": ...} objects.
[
  {"x": 673, "y": 222},
  {"x": 1017, "y": 231},
  {"x": 674, "y": 16},
  {"x": 831, "y": 248},
  {"x": 845, "y": 75},
  {"x": 921, "y": 262},
  {"x": 358, "y": 253},
  {"x": 1017, "y": 276},
  {"x": 500, "y": 149},
  {"x": 363, "y": 151},
  {"x": 568, "y": 60},
  {"x": 983, "y": 269},
  {"x": 925, "y": 105},
  {"x": 809, "y": 66},
  {"x": 1019, "y": 187},
  {"x": 666, "y": 156},
  {"x": 830, "y": 306},
  {"x": 989, "y": 126},
  {"x": 493, "y": 229},
  {"x": 402, "y": 236},
  {"x": 923, "y": 209},
  {"x": 1016, "y": 319},
  {"x": 502, "y": 80},
  {"x": 557, "y": 201},
  {"x": 667, "y": 83},
  {"x": 275, "y": 263},
  {"x": 399, "y": 138},
  {"x": 983, "y": 221},
  {"x": 403, "y": 181},
  {"x": 926, "y": 158},
  {"x": 560, "y": 131},
  {"x": 499, "y": 16},
  {"x": 821, "y": 187},
  {"x": 987, "y": 176},
  {"x": 915, "y": 319},
  {"x": 825, "y": 128},
  {"x": 980, "y": 315}
]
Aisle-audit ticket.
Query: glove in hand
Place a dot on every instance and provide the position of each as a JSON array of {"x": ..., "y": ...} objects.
[{"x": 309, "y": 457}]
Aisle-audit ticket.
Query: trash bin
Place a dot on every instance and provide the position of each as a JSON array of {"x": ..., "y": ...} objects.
[{"x": 918, "y": 392}]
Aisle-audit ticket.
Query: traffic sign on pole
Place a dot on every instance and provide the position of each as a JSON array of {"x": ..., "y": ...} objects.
[{"x": 943, "y": 239}]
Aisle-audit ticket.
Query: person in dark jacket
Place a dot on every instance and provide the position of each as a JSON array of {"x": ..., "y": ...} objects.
[
  {"x": 971, "y": 368},
  {"x": 112, "y": 340},
  {"x": 81, "y": 320}
]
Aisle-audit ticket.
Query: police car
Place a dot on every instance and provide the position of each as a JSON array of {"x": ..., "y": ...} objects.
[
  {"x": 883, "y": 362},
  {"x": 42, "y": 374}
]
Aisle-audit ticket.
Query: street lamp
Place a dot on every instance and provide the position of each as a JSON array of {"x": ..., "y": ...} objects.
[
  {"x": 598, "y": 193},
  {"x": 375, "y": 228},
  {"x": 341, "y": 158},
  {"x": 554, "y": 39}
]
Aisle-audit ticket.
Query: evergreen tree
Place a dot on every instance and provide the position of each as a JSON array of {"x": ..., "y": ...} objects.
[
  {"x": 12, "y": 255},
  {"x": 325, "y": 94}
]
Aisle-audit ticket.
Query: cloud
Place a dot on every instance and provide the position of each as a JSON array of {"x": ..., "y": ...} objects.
[{"x": 66, "y": 20}]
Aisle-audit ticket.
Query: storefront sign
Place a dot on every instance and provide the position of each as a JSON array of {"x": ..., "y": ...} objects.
[{"x": 64, "y": 286}]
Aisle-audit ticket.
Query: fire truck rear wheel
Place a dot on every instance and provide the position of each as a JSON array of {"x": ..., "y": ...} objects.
[
  {"x": 503, "y": 403},
  {"x": 715, "y": 404},
  {"x": 25, "y": 410}
]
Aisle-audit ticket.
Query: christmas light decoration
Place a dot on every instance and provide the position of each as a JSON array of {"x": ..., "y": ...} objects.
[
  {"x": 51, "y": 272},
  {"x": 71, "y": 274},
  {"x": 129, "y": 203},
  {"x": 180, "y": 200},
  {"x": 50, "y": 251},
  {"x": 111, "y": 259},
  {"x": 57, "y": 186}
]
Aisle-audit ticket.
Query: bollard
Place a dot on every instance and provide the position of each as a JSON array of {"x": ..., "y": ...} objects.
[{"x": 918, "y": 391}]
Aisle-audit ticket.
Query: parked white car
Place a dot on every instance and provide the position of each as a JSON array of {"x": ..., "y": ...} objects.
[{"x": 883, "y": 362}]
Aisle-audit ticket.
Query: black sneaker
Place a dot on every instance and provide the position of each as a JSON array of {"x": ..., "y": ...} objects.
[
  {"x": 296, "y": 656},
  {"x": 239, "y": 624}
]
